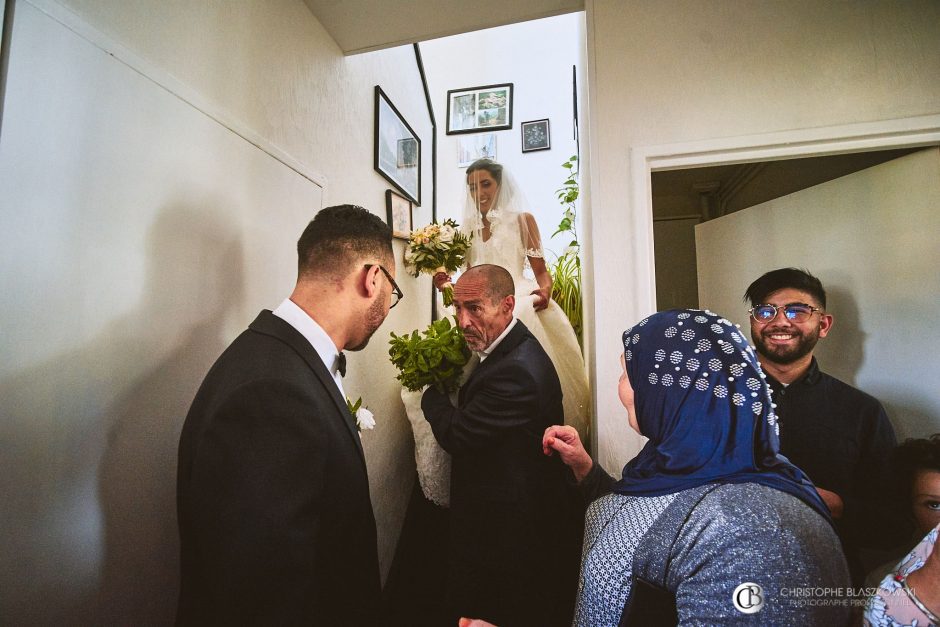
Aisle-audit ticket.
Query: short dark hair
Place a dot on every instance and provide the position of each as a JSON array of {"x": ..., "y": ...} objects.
[
  {"x": 338, "y": 238},
  {"x": 910, "y": 458},
  {"x": 499, "y": 283},
  {"x": 495, "y": 169},
  {"x": 793, "y": 278}
]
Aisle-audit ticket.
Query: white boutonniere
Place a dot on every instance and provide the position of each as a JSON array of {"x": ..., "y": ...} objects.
[{"x": 364, "y": 417}]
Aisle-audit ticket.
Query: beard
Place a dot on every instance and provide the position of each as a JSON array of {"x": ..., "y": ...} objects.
[
  {"x": 803, "y": 345},
  {"x": 475, "y": 341},
  {"x": 372, "y": 320}
]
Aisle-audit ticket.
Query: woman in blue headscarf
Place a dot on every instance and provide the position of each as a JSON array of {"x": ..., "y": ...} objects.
[{"x": 708, "y": 524}]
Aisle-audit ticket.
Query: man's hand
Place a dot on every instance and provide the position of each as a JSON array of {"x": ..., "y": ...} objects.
[
  {"x": 542, "y": 296},
  {"x": 440, "y": 279},
  {"x": 565, "y": 441},
  {"x": 833, "y": 501}
]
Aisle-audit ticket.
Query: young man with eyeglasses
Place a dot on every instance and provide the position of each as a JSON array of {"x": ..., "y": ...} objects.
[
  {"x": 839, "y": 435},
  {"x": 275, "y": 519}
]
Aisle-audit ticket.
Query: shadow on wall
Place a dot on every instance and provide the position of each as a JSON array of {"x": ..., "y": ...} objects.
[
  {"x": 842, "y": 352},
  {"x": 93, "y": 484}
]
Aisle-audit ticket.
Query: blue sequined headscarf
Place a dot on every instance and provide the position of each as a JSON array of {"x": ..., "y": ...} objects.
[{"x": 702, "y": 401}]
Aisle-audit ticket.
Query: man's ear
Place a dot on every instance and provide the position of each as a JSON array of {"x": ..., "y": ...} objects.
[
  {"x": 368, "y": 281},
  {"x": 509, "y": 304},
  {"x": 825, "y": 324}
]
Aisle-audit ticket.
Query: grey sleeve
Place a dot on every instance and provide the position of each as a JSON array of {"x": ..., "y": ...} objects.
[
  {"x": 752, "y": 534},
  {"x": 595, "y": 484}
]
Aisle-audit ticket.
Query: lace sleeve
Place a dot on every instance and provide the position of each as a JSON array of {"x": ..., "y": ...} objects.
[{"x": 531, "y": 240}]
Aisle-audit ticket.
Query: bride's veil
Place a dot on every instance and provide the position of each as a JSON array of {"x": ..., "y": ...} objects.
[{"x": 510, "y": 208}]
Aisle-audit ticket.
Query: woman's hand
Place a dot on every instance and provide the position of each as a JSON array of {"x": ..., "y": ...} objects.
[
  {"x": 833, "y": 501},
  {"x": 565, "y": 441},
  {"x": 542, "y": 296},
  {"x": 441, "y": 279}
]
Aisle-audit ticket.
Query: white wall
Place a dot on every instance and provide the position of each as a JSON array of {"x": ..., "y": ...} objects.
[
  {"x": 537, "y": 58},
  {"x": 140, "y": 236},
  {"x": 871, "y": 238},
  {"x": 666, "y": 71}
]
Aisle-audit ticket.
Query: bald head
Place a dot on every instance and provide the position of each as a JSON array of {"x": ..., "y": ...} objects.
[
  {"x": 492, "y": 281},
  {"x": 484, "y": 298}
]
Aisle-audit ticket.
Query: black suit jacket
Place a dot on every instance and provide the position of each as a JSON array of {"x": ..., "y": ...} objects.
[
  {"x": 276, "y": 523},
  {"x": 514, "y": 541}
]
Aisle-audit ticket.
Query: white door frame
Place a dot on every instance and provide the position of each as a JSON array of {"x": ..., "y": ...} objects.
[{"x": 814, "y": 142}]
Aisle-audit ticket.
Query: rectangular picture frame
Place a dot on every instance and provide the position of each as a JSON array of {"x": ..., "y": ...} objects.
[
  {"x": 397, "y": 150},
  {"x": 479, "y": 109},
  {"x": 536, "y": 135},
  {"x": 400, "y": 214},
  {"x": 473, "y": 147}
]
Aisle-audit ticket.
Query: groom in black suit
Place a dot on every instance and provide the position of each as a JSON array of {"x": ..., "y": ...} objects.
[
  {"x": 514, "y": 544},
  {"x": 276, "y": 523}
]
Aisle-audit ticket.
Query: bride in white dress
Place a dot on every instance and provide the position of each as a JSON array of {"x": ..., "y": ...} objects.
[{"x": 506, "y": 234}]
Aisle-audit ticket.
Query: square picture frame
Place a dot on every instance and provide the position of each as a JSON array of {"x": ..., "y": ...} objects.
[
  {"x": 399, "y": 211},
  {"x": 397, "y": 153},
  {"x": 473, "y": 147},
  {"x": 536, "y": 135},
  {"x": 479, "y": 109}
]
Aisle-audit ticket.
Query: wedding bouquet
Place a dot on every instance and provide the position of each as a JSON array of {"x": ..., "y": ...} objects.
[
  {"x": 436, "y": 357},
  {"x": 437, "y": 248}
]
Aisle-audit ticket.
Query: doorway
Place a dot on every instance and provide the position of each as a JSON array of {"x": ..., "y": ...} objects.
[{"x": 685, "y": 198}]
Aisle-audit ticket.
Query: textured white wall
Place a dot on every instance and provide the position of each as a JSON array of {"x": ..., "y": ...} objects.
[
  {"x": 142, "y": 236},
  {"x": 681, "y": 70},
  {"x": 871, "y": 238}
]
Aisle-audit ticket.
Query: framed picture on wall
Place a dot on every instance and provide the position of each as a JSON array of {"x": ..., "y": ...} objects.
[
  {"x": 479, "y": 109},
  {"x": 399, "y": 210},
  {"x": 536, "y": 135},
  {"x": 397, "y": 154},
  {"x": 473, "y": 147}
]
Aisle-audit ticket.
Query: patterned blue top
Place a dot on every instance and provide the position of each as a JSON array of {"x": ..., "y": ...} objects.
[
  {"x": 610, "y": 538},
  {"x": 738, "y": 533}
]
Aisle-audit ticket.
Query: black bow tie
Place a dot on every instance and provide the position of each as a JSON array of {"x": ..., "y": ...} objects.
[{"x": 341, "y": 364}]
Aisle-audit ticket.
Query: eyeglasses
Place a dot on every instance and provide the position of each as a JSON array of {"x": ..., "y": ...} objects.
[
  {"x": 397, "y": 294},
  {"x": 794, "y": 312}
]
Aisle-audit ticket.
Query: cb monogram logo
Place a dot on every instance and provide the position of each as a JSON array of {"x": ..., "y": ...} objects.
[{"x": 748, "y": 598}]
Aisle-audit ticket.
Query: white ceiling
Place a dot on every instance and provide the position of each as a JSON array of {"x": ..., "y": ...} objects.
[{"x": 365, "y": 25}]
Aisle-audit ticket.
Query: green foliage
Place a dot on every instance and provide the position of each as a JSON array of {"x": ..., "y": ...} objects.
[
  {"x": 435, "y": 357},
  {"x": 566, "y": 271},
  {"x": 353, "y": 407},
  {"x": 566, "y": 290}
]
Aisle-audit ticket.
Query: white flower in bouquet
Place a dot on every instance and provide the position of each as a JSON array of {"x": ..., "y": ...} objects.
[{"x": 447, "y": 233}]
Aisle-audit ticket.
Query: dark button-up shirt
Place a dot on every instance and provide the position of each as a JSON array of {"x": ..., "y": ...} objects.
[{"x": 842, "y": 439}]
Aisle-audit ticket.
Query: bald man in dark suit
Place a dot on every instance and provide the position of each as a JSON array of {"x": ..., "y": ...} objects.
[{"x": 514, "y": 542}]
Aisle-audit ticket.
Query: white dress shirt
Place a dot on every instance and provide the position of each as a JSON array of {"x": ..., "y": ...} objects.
[
  {"x": 489, "y": 349},
  {"x": 293, "y": 315}
]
